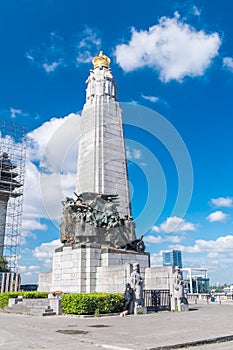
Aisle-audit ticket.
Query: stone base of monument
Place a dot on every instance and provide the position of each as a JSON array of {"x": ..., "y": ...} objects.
[
  {"x": 184, "y": 307},
  {"x": 140, "y": 310},
  {"x": 87, "y": 268}
]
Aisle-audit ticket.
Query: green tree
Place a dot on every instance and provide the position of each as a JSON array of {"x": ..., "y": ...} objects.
[{"x": 4, "y": 265}]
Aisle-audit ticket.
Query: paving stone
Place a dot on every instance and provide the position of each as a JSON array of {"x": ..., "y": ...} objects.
[{"x": 162, "y": 330}]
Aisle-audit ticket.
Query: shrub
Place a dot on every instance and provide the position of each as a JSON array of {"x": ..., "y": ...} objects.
[
  {"x": 34, "y": 295},
  {"x": 27, "y": 295},
  {"x": 92, "y": 303}
]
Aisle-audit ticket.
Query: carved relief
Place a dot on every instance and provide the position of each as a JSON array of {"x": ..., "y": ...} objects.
[{"x": 93, "y": 218}]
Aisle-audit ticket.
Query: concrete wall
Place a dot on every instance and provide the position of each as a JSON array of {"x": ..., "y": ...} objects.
[
  {"x": 159, "y": 277},
  {"x": 86, "y": 270}
]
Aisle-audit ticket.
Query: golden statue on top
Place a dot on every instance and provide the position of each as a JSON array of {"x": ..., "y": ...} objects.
[{"x": 101, "y": 60}]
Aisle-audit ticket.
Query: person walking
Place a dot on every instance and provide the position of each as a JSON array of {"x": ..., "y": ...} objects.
[{"x": 129, "y": 298}]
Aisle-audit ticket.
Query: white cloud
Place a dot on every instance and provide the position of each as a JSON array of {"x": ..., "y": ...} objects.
[
  {"x": 174, "y": 224},
  {"x": 159, "y": 239},
  {"x": 222, "y": 244},
  {"x": 14, "y": 112},
  {"x": 137, "y": 154},
  {"x": 156, "y": 259},
  {"x": 84, "y": 57},
  {"x": 89, "y": 37},
  {"x": 228, "y": 63},
  {"x": 174, "y": 239},
  {"x": 29, "y": 56},
  {"x": 60, "y": 53},
  {"x": 22, "y": 268},
  {"x": 53, "y": 141},
  {"x": 196, "y": 11},
  {"x": 33, "y": 204},
  {"x": 88, "y": 46},
  {"x": 29, "y": 226},
  {"x": 29, "y": 273},
  {"x": 173, "y": 48},
  {"x": 222, "y": 202},
  {"x": 45, "y": 251},
  {"x": 153, "y": 239},
  {"x": 150, "y": 98},
  {"x": 133, "y": 153},
  {"x": 50, "y": 171},
  {"x": 54, "y": 188},
  {"x": 34, "y": 268},
  {"x": 48, "y": 56},
  {"x": 52, "y": 66},
  {"x": 32, "y": 223},
  {"x": 217, "y": 216},
  {"x": 155, "y": 228},
  {"x": 213, "y": 255}
]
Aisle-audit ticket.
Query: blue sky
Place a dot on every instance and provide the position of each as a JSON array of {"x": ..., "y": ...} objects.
[{"x": 173, "y": 64}]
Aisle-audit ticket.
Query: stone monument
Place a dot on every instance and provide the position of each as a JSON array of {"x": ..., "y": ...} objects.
[
  {"x": 178, "y": 300},
  {"x": 97, "y": 230},
  {"x": 137, "y": 285}
]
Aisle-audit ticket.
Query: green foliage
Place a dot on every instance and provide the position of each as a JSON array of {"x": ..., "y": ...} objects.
[
  {"x": 27, "y": 295},
  {"x": 34, "y": 295},
  {"x": 97, "y": 313},
  {"x": 4, "y": 265},
  {"x": 92, "y": 303},
  {"x": 4, "y": 299}
]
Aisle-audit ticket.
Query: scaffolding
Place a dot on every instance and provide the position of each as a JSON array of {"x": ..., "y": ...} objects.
[{"x": 12, "y": 171}]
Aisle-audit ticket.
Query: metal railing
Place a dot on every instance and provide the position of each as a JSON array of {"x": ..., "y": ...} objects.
[{"x": 157, "y": 300}]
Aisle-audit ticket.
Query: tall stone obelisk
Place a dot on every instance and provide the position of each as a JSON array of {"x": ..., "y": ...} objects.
[
  {"x": 102, "y": 166},
  {"x": 97, "y": 233}
]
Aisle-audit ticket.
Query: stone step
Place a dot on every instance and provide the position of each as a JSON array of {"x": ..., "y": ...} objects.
[
  {"x": 25, "y": 307},
  {"x": 32, "y": 307},
  {"x": 38, "y": 302},
  {"x": 49, "y": 312},
  {"x": 24, "y": 310}
]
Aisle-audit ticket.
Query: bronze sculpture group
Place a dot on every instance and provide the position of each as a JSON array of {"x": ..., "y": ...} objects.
[{"x": 93, "y": 218}]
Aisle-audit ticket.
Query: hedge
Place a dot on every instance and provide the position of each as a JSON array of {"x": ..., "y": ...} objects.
[
  {"x": 27, "y": 295},
  {"x": 92, "y": 303},
  {"x": 79, "y": 304}
]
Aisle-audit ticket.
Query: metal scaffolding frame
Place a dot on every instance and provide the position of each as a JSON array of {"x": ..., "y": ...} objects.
[{"x": 13, "y": 151}]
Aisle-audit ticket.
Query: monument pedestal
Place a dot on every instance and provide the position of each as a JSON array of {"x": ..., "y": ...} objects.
[{"x": 87, "y": 269}]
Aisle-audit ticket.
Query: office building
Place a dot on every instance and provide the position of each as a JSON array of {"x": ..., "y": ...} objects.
[{"x": 172, "y": 258}]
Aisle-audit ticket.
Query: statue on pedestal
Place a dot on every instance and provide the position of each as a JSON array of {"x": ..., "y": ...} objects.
[
  {"x": 178, "y": 289},
  {"x": 137, "y": 285}
]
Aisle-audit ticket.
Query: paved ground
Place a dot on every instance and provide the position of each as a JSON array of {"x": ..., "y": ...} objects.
[{"x": 162, "y": 330}]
